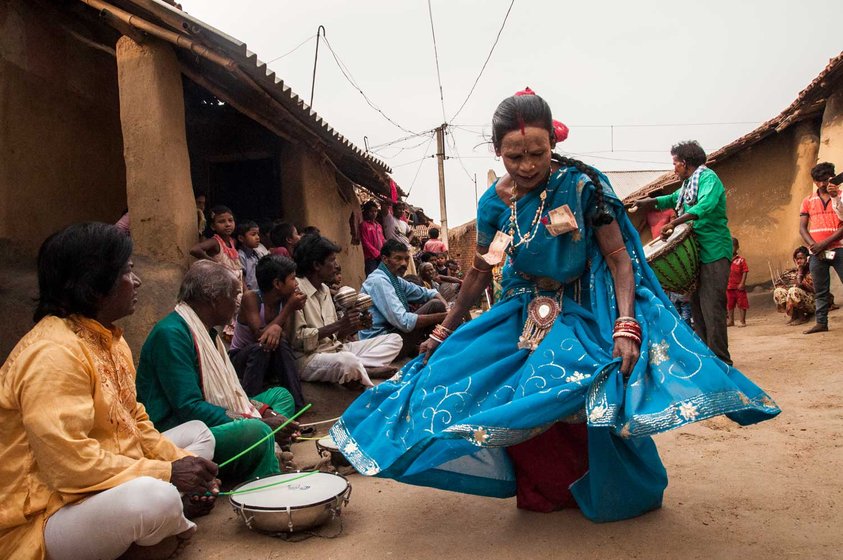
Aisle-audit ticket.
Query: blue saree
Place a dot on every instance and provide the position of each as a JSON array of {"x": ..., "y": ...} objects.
[{"x": 447, "y": 424}]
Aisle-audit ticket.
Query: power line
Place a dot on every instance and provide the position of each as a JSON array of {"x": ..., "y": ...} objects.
[
  {"x": 457, "y": 157},
  {"x": 654, "y": 125},
  {"x": 347, "y": 73},
  {"x": 406, "y": 163},
  {"x": 399, "y": 140},
  {"x": 486, "y": 61},
  {"x": 401, "y": 149},
  {"x": 294, "y": 49},
  {"x": 586, "y": 155},
  {"x": 416, "y": 176},
  {"x": 582, "y": 154},
  {"x": 436, "y": 57}
]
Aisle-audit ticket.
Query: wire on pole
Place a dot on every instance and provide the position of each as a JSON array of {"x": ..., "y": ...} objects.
[
  {"x": 467, "y": 97},
  {"x": 436, "y": 58},
  {"x": 320, "y": 29},
  {"x": 350, "y": 79}
]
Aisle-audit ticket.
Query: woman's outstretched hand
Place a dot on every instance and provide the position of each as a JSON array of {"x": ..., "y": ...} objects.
[
  {"x": 628, "y": 351},
  {"x": 427, "y": 347}
]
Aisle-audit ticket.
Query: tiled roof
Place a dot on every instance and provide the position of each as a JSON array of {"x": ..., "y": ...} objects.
[
  {"x": 356, "y": 164},
  {"x": 808, "y": 104}
]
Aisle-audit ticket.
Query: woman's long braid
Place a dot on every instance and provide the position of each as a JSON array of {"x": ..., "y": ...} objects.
[{"x": 602, "y": 217}]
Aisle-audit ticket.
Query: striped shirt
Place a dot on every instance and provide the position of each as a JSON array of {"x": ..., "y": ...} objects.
[{"x": 822, "y": 219}]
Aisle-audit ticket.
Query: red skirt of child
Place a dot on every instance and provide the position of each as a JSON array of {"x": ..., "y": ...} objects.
[{"x": 547, "y": 465}]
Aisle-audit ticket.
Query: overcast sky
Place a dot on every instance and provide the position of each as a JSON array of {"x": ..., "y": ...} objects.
[{"x": 658, "y": 72}]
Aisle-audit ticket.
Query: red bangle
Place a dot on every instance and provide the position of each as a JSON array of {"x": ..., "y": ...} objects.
[{"x": 623, "y": 334}]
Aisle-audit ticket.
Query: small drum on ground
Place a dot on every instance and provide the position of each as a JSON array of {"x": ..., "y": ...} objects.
[
  {"x": 676, "y": 261},
  {"x": 301, "y": 504},
  {"x": 327, "y": 444}
]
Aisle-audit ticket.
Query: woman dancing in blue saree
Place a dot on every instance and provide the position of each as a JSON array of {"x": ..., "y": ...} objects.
[{"x": 553, "y": 394}]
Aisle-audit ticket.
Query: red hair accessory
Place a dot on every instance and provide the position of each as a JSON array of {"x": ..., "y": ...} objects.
[{"x": 559, "y": 129}]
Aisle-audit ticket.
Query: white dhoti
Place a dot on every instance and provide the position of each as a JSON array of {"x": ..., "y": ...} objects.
[
  {"x": 143, "y": 511},
  {"x": 350, "y": 363}
]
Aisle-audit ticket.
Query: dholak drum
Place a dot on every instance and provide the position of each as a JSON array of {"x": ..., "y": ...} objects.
[
  {"x": 327, "y": 444},
  {"x": 676, "y": 261},
  {"x": 302, "y": 504}
]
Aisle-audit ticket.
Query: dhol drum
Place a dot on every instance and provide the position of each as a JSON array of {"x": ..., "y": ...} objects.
[
  {"x": 304, "y": 503},
  {"x": 327, "y": 444},
  {"x": 676, "y": 261}
]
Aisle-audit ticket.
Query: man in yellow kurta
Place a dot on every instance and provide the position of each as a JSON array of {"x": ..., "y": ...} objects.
[{"x": 83, "y": 472}]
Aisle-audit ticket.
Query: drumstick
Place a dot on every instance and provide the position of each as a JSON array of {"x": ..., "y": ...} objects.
[
  {"x": 329, "y": 421},
  {"x": 266, "y": 437},
  {"x": 265, "y": 486},
  {"x": 772, "y": 278}
]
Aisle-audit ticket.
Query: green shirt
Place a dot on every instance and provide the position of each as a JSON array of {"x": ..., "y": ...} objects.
[
  {"x": 711, "y": 225},
  {"x": 168, "y": 378}
]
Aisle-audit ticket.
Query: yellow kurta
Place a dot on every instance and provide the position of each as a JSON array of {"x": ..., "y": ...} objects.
[{"x": 70, "y": 426}]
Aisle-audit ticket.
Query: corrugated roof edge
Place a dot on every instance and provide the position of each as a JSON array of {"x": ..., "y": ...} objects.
[
  {"x": 257, "y": 69},
  {"x": 790, "y": 116}
]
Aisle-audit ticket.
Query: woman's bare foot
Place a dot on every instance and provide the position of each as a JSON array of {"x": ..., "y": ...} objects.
[
  {"x": 742, "y": 324},
  {"x": 353, "y": 385},
  {"x": 383, "y": 372}
]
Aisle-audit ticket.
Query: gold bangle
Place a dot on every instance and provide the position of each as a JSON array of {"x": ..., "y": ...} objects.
[{"x": 615, "y": 252}]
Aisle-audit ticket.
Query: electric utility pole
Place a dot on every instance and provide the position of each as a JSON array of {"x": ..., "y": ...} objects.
[{"x": 440, "y": 156}]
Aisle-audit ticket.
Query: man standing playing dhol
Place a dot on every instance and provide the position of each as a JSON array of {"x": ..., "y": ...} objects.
[
  {"x": 821, "y": 229},
  {"x": 702, "y": 198}
]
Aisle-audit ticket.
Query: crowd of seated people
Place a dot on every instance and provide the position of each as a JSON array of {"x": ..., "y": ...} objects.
[{"x": 254, "y": 318}]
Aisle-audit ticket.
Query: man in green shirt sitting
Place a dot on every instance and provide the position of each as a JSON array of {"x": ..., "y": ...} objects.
[
  {"x": 702, "y": 199},
  {"x": 185, "y": 374}
]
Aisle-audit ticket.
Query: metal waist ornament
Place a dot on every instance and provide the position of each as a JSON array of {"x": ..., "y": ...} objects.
[{"x": 541, "y": 314}]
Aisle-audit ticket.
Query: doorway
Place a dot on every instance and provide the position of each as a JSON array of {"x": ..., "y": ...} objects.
[{"x": 251, "y": 188}]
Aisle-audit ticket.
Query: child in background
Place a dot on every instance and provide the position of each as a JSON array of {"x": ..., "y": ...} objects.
[
  {"x": 201, "y": 222},
  {"x": 248, "y": 239},
  {"x": 434, "y": 244},
  {"x": 337, "y": 283},
  {"x": 220, "y": 248},
  {"x": 284, "y": 239},
  {"x": 797, "y": 298},
  {"x": 264, "y": 226},
  {"x": 259, "y": 351},
  {"x": 736, "y": 289}
]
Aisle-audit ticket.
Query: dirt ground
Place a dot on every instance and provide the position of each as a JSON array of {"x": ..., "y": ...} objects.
[{"x": 765, "y": 491}]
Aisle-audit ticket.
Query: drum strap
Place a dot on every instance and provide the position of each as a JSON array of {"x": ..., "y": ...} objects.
[{"x": 689, "y": 191}]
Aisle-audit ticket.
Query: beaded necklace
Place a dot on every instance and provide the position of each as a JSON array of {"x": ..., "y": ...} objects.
[{"x": 514, "y": 228}]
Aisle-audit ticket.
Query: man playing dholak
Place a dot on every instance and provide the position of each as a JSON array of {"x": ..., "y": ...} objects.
[{"x": 702, "y": 199}]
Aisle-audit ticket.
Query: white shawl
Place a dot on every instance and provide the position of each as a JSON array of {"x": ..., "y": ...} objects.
[{"x": 219, "y": 379}]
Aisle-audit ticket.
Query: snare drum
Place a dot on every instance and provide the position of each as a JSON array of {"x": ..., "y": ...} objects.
[
  {"x": 302, "y": 504},
  {"x": 676, "y": 261},
  {"x": 327, "y": 444}
]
